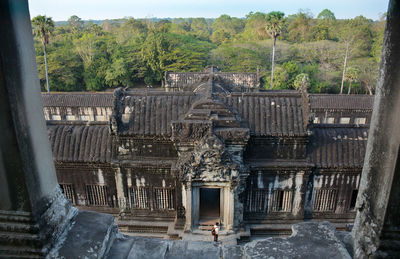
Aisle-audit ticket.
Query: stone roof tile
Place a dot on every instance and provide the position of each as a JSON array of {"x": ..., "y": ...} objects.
[
  {"x": 78, "y": 99},
  {"x": 80, "y": 143},
  {"x": 341, "y": 102},
  {"x": 266, "y": 114},
  {"x": 338, "y": 146}
]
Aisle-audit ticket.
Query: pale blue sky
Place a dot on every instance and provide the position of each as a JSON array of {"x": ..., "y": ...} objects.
[{"x": 108, "y": 9}]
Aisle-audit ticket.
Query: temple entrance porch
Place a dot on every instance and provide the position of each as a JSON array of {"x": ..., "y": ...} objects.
[
  {"x": 210, "y": 207},
  {"x": 207, "y": 203}
]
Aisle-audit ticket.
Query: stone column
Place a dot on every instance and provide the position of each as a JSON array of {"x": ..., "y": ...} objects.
[
  {"x": 377, "y": 226},
  {"x": 120, "y": 188},
  {"x": 230, "y": 211},
  {"x": 188, "y": 208},
  {"x": 299, "y": 194},
  {"x": 30, "y": 198}
]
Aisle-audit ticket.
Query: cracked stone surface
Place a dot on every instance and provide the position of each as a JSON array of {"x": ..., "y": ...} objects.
[
  {"x": 309, "y": 240},
  {"x": 89, "y": 235}
]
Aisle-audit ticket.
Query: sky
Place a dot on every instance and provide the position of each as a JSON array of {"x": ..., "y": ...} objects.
[{"x": 61, "y": 10}]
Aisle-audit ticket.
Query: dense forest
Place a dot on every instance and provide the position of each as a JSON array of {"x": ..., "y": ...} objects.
[{"x": 330, "y": 55}]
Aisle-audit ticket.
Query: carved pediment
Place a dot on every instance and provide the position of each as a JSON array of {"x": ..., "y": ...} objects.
[{"x": 209, "y": 161}]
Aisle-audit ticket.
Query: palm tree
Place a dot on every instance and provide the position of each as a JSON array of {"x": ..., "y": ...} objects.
[
  {"x": 42, "y": 27},
  {"x": 351, "y": 76},
  {"x": 275, "y": 25}
]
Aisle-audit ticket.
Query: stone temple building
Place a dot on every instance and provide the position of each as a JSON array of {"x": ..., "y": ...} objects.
[{"x": 210, "y": 147}]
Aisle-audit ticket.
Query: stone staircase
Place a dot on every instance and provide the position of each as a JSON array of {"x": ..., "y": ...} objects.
[
  {"x": 208, "y": 223},
  {"x": 158, "y": 229},
  {"x": 19, "y": 237}
]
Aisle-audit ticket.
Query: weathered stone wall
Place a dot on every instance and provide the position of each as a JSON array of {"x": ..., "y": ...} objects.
[
  {"x": 321, "y": 116},
  {"x": 79, "y": 176},
  {"x": 184, "y": 81},
  {"x": 246, "y": 80},
  {"x": 132, "y": 148},
  {"x": 175, "y": 81},
  {"x": 150, "y": 192},
  {"x": 77, "y": 113},
  {"x": 275, "y": 195},
  {"x": 276, "y": 148},
  {"x": 334, "y": 194}
]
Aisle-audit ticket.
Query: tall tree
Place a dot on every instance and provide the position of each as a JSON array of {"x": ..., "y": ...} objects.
[
  {"x": 42, "y": 28},
  {"x": 351, "y": 76},
  {"x": 75, "y": 24},
  {"x": 275, "y": 25},
  {"x": 356, "y": 36},
  {"x": 323, "y": 30},
  {"x": 326, "y": 14},
  {"x": 226, "y": 28},
  {"x": 199, "y": 28},
  {"x": 255, "y": 27},
  {"x": 299, "y": 27},
  {"x": 368, "y": 73}
]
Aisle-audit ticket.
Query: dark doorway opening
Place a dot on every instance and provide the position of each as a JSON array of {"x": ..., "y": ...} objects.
[{"x": 209, "y": 203}]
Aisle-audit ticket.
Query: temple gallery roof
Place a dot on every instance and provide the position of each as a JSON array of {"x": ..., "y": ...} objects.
[
  {"x": 152, "y": 113},
  {"x": 102, "y": 99},
  {"x": 341, "y": 102},
  {"x": 80, "y": 143},
  {"x": 78, "y": 99},
  {"x": 215, "y": 99},
  {"x": 264, "y": 113},
  {"x": 338, "y": 146}
]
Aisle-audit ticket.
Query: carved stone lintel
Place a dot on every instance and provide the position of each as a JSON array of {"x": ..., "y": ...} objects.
[{"x": 189, "y": 131}]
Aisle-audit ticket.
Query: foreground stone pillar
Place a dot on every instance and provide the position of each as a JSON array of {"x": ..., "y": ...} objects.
[
  {"x": 34, "y": 214},
  {"x": 30, "y": 200},
  {"x": 377, "y": 226}
]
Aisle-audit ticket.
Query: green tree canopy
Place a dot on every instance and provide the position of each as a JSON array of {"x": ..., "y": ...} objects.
[
  {"x": 326, "y": 14},
  {"x": 226, "y": 28},
  {"x": 299, "y": 29},
  {"x": 75, "y": 24}
]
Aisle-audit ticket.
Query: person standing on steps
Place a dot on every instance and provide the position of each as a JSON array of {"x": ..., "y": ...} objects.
[{"x": 215, "y": 231}]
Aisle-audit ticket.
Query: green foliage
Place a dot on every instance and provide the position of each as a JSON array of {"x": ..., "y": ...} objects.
[
  {"x": 299, "y": 29},
  {"x": 75, "y": 24},
  {"x": 42, "y": 28},
  {"x": 238, "y": 57},
  {"x": 128, "y": 52},
  {"x": 199, "y": 29},
  {"x": 187, "y": 53},
  {"x": 301, "y": 81},
  {"x": 378, "y": 32},
  {"x": 291, "y": 69},
  {"x": 255, "y": 27},
  {"x": 357, "y": 35},
  {"x": 327, "y": 15},
  {"x": 225, "y": 28},
  {"x": 276, "y": 23},
  {"x": 280, "y": 79}
]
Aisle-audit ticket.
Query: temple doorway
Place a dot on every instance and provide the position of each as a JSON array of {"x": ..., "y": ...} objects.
[{"x": 209, "y": 204}]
